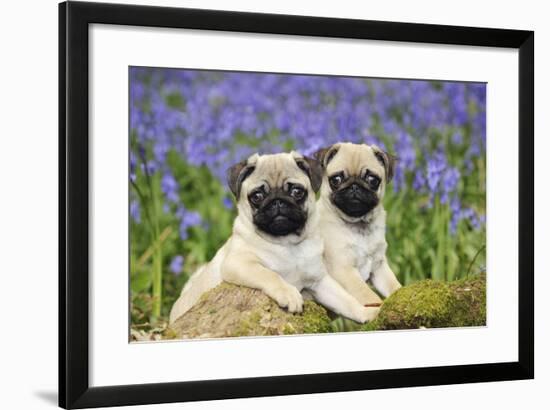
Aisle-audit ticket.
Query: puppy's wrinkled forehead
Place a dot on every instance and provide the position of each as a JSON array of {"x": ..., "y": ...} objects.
[
  {"x": 354, "y": 158},
  {"x": 276, "y": 170}
]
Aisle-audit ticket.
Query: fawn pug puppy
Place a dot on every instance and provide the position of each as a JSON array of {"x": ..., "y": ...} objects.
[
  {"x": 353, "y": 220},
  {"x": 276, "y": 245}
]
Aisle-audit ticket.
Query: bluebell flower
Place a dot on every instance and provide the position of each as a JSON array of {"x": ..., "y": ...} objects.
[
  {"x": 406, "y": 159},
  {"x": 472, "y": 217},
  {"x": 169, "y": 187},
  {"x": 449, "y": 183},
  {"x": 133, "y": 162},
  {"x": 192, "y": 218},
  {"x": 457, "y": 138},
  {"x": 150, "y": 168},
  {"x": 176, "y": 266},
  {"x": 434, "y": 171},
  {"x": 187, "y": 220},
  {"x": 456, "y": 214},
  {"x": 135, "y": 213},
  {"x": 160, "y": 149},
  {"x": 419, "y": 181},
  {"x": 273, "y": 112},
  {"x": 227, "y": 203}
]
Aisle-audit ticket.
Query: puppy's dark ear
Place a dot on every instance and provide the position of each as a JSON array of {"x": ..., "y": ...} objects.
[
  {"x": 324, "y": 155},
  {"x": 387, "y": 160},
  {"x": 313, "y": 170},
  {"x": 236, "y": 176}
]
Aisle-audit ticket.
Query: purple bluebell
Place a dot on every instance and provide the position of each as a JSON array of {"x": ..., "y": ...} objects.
[
  {"x": 434, "y": 171},
  {"x": 187, "y": 220},
  {"x": 419, "y": 181},
  {"x": 176, "y": 266},
  {"x": 133, "y": 162},
  {"x": 170, "y": 187},
  {"x": 449, "y": 183},
  {"x": 214, "y": 119},
  {"x": 227, "y": 203},
  {"x": 135, "y": 213},
  {"x": 457, "y": 138},
  {"x": 406, "y": 159},
  {"x": 150, "y": 168},
  {"x": 456, "y": 214}
]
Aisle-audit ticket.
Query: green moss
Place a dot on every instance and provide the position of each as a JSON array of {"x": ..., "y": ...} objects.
[
  {"x": 289, "y": 329},
  {"x": 314, "y": 319},
  {"x": 169, "y": 334},
  {"x": 470, "y": 307},
  {"x": 248, "y": 324},
  {"x": 272, "y": 320},
  {"x": 230, "y": 310},
  {"x": 433, "y": 304}
]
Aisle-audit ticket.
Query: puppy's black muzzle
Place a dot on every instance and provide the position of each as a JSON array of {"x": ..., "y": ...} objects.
[
  {"x": 354, "y": 198},
  {"x": 280, "y": 216}
]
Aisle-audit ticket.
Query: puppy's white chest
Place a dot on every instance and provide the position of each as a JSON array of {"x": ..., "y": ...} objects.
[
  {"x": 363, "y": 259},
  {"x": 368, "y": 250},
  {"x": 299, "y": 265}
]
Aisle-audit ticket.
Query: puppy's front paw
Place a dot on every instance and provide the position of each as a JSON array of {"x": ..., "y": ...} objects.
[
  {"x": 287, "y": 296},
  {"x": 368, "y": 314}
]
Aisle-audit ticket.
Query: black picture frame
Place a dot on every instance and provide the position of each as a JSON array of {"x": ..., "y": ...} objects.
[{"x": 74, "y": 21}]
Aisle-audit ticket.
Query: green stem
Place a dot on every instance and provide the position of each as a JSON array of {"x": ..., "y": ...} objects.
[
  {"x": 474, "y": 259},
  {"x": 143, "y": 200},
  {"x": 157, "y": 256},
  {"x": 157, "y": 260},
  {"x": 440, "y": 253},
  {"x": 446, "y": 241},
  {"x": 157, "y": 282}
]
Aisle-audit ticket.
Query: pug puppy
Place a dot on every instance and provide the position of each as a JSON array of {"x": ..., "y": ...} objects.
[
  {"x": 276, "y": 245},
  {"x": 353, "y": 219}
]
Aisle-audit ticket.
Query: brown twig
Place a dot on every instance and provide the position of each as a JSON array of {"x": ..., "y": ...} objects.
[{"x": 149, "y": 251}]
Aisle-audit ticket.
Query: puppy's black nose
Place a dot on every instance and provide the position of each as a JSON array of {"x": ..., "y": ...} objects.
[
  {"x": 354, "y": 188},
  {"x": 279, "y": 204}
]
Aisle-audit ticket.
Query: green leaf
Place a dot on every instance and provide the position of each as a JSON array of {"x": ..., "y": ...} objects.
[{"x": 141, "y": 281}]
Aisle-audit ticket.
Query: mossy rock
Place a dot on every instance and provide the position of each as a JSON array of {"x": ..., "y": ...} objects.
[
  {"x": 433, "y": 304},
  {"x": 230, "y": 310}
]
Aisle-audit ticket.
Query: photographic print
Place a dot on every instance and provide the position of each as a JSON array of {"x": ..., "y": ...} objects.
[
  {"x": 278, "y": 209},
  {"x": 270, "y": 204}
]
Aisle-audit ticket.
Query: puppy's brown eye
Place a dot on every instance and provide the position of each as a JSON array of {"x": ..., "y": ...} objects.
[
  {"x": 373, "y": 181},
  {"x": 257, "y": 197},
  {"x": 336, "y": 180},
  {"x": 297, "y": 193}
]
